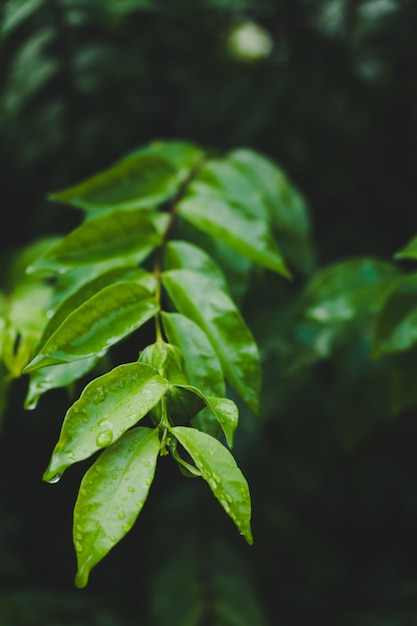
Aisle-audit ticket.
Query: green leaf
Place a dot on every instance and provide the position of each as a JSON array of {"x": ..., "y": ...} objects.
[
  {"x": 62, "y": 375},
  {"x": 96, "y": 325},
  {"x": 112, "y": 494},
  {"x": 345, "y": 290},
  {"x": 184, "y": 255},
  {"x": 220, "y": 471},
  {"x": 16, "y": 11},
  {"x": 89, "y": 289},
  {"x": 234, "y": 224},
  {"x": 221, "y": 321},
  {"x": 142, "y": 179},
  {"x": 409, "y": 252},
  {"x": 107, "y": 407},
  {"x": 396, "y": 326},
  {"x": 118, "y": 235},
  {"x": 224, "y": 410},
  {"x": 202, "y": 365}
]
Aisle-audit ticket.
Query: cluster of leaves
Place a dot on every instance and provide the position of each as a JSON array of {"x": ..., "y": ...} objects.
[{"x": 126, "y": 264}]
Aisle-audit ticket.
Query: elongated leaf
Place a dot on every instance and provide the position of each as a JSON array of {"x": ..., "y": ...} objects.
[
  {"x": 16, "y": 11},
  {"x": 118, "y": 235},
  {"x": 142, "y": 179},
  {"x": 202, "y": 364},
  {"x": 112, "y": 494},
  {"x": 225, "y": 411},
  {"x": 234, "y": 224},
  {"x": 184, "y": 255},
  {"x": 396, "y": 327},
  {"x": 220, "y": 471},
  {"x": 99, "y": 323},
  {"x": 349, "y": 289},
  {"x": 89, "y": 289},
  {"x": 409, "y": 252},
  {"x": 199, "y": 298},
  {"x": 62, "y": 375},
  {"x": 107, "y": 407}
]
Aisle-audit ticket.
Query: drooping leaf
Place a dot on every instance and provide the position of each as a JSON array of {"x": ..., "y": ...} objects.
[
  {"x": 112, "y": 494},
  {"x": 118, "y": 235},
  {"x": 142, "y": 179},
  {"x": 348, "y": 289},
  {"x": 198, "y": 297},
  {"x": 396, "y": 325},
  {"x": 62, "y": 375},
  {"x": 106, "y": 318},
  {"x": 225, "y": 411},
  {"x": 220, "y": 471},
  {"x": 108, "y": 406},
  {"x": 210, "y": 212}
]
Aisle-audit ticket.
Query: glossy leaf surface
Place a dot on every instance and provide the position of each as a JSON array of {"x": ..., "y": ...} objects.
[
  {"x": 143, "y": 179},
  {"x": 183, "y": 255},
  {"x": 218, "y": 316},
  {"x": 96, "y": 325},
  {"x": 225, "y": 411},
  {"x": 112, "y": 494},
  {"x": 107, "y": 407},
  {"x": 250, "y": 235},
  {"x": 220, "y": 471},
  {"x": 117, "y": 235}
]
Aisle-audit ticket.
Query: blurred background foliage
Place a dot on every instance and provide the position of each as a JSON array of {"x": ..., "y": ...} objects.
[{"x": 327, "y": 89}]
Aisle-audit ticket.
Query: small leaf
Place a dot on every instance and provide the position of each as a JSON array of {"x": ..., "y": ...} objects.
[
  {"x": 409, "y": 252},
  {"x": 142, "y": 179},
  {"x": 119, "y": 235},
  {"x": 112, "y": 494},
  {"x": 99, "y": 323},
  {"x": 234, "y": 224},
  {"x": 221, "y": 321},
  {"x": 396, "y": 326},
  {"x": 107, "y": 407},
  {"x": 220, "y": 471},
  {"x": 225, "y": 411}
]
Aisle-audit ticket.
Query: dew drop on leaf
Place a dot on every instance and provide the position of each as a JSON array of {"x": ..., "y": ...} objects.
[
  {"x": 104, "y": 438},
  {"x": 55, "y": 478}
]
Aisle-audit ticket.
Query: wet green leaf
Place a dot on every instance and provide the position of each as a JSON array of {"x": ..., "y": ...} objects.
[
  {"x": 224, "y": 410},
  {"x": 108, "y": 406},
  {"x": 142, "y": 179},
  {"x": 221, "y": 321},
  {"x": 210, "y": 212},
  {"x": 184, "y": 255},
  {"x": 220, "y": 471},
  {"x": 112, "y": 494},
  {"x": 120, "y": 235},
  {"x": 106, "y": 318}
]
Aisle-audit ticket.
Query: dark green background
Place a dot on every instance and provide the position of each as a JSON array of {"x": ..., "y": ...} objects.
[{"x": 82, "y": 83}]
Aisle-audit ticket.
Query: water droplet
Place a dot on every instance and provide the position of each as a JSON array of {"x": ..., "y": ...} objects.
[
  {"x": 84, "y": 411},
  {"x": 225, "y": 505},
  {"x": 131, "y": 489},
  {"x": 212, "y": 483},
  {"x": 79, "y": 536},
  {"x": 121, "y": 514},
  {"x": 78, "y": 527},
  {"x": 146, "y": 464},
  {"x": 50, "y": 313},
  {"x": 211, "y": 452},
  {"x": 114, "y": 476},
  {"x": 131, "y": 448},
  {"x": 104, "y": 438},
  {"x": 98, "y": 468},
  {"x": 75, "y": 409},
  {"x": 126, "y": 527},
  {"x": 79, "y": 547},
  {"x": 99, "y": 395},
  {"x": 113, "y": 538},
  {"x": 148, "y": 481},
  {"x": 55, "y": 478},
  {"x": 229, "y": 497},
  {"x": 85, "y": 420}
]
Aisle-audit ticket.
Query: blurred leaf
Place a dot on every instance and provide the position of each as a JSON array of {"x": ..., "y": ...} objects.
[
  {"x": 16, "y": 11},
  {"x": 108, "y": 406},
  {"x": 409, "y": 252},
  {"x": 396, "y": 326},
  {"x": 112, "y": 494}
]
